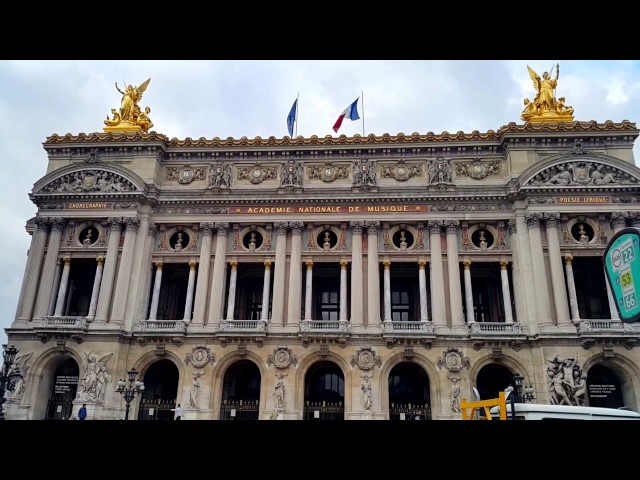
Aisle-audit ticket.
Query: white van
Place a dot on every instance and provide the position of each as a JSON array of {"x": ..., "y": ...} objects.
[{"x": 535, "y": 411}]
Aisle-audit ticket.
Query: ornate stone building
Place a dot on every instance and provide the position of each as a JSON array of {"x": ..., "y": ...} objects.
[{"x": 379, "y": 277}]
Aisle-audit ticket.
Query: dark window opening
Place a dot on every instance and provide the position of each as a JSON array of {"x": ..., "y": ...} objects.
[
  {"x": 241, "y": 392},
  {"x": 591, "y": 289},
  {"x": 173, "y": 291},
  {"x": 81, "y": 276},
  {"x": 326, "y": 292},
  {"x": 324, "y": 392},
  {"x": 409, "y": 396},
  {"x": 486, "y": 287},
  {"x": 249, "y": 289},
  {"x": 160, "y": 391},
  {"x": 405, "y": 293}
]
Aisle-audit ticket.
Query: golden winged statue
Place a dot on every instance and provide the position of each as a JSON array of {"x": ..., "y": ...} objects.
[
  {"x": 130, "y": 118},
  {"x": 545, "y": 107}
]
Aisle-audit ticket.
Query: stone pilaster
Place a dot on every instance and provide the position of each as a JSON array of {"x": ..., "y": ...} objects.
[
  {"x": 279, "y": 276},
  {"x": 202, "y": 286},
  {"x": 539, "y": 270},
  {"x": 45, "y": 289},
  {"x": 294, "y": 307},
  {"x": 32, "y": 270},
  {"x": 124, "y": 272},
  {"x": 139, "y": 271},
  {"x": 557, "y": 276},
  {"x": 357, "y": 297},
  {"x": 217, "y": 282},
  {"x": 438, "y": 310},
  {"x": 455, "y": 289},
  {"x": 109, "y": 272},
  {"x": 373, "y": 274}
]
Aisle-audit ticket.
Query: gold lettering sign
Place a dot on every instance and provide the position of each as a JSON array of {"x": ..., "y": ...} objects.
[
  {"x": 90, "y": 205},
  {"x": 584, "y": 199},
  {"x": 331, "y": 209}
]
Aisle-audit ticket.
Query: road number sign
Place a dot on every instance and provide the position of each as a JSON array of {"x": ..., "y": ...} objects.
[{"x": 622, "y": 269}]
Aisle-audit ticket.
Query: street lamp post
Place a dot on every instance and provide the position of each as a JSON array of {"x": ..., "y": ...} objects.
[
  {"x": 129, "y": 391},
  {"x": 517, "y": 396},
  {"x": 8, "y": 356}
]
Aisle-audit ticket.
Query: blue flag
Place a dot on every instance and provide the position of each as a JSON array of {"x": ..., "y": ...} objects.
[{"x": 292, "y": 117}]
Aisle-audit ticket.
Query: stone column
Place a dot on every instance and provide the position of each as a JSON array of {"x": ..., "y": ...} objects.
[
  {"x": 188, "y": 305},
  {"x": 124, "y": 272},
  {"x": 557, "y": 276},
  {"x": 93, "y": 304},
  {"x": 468, "y": 291},
  {"x": 45, "y": 289},
  {"x": 357, "y": 298},
  {"x": 308, "y": 291},
  {"x": 109, "y": 272},
  {"x": 539, "y": 270},
  {"x": 455, "y": 289},
  {"x": 525, "y": 274},
  {"x": 217, "y": 282},
  {"x": 373, "y": 274},
  {"x": 231, "y": 300},
  {"x": 32, "y": 270},
  {"x": 62, "y": 291},
  {"x": 153, "y": 312},
  {"x": 387, "y": 290},
  {"x": 139, "y": 270},
  {"x": 343, "y": 290},
  {"x": 571, "y": 286},
  {"x": 438, "y": 311},
  {"x": 277, "y": 311},
  {"x": 618, "y": 221},
  {"x": 294, "y": 306},
  {"x": 56, "y": 287},
  {"x": 422, "y": 282},
  {"x": 506, "y": 296},
  {"x": 264, "y": 313},
  {"x": 202, "y": 288}
]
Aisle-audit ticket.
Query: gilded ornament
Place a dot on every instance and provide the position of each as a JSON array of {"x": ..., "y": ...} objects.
[
  {"x": 545, "y": 107},
  {"x": 130, "y": 118}
]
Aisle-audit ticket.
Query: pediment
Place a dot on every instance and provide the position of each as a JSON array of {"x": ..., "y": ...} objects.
[{"x": 95, "y": 179}]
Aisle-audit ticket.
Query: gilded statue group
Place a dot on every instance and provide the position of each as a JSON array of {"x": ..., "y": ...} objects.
[
  {"x": 130, "y": 118},
  {"x": 545, "y": 107}
]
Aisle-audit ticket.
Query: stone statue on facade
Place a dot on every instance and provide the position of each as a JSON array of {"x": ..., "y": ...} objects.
[
  {"x": 367, "y": 394},
  {"x": 566, "y": 383},
  {"x": 130, "y": 118},
  {"x": 439, "y": 171},
  {"x": 483, "y": 241},
  {"x": 279, "y": 391},
  {"x": 91, "y": 386},
  {"x": 545, "y": 107},
  {"x": 220, "y": 175},
  {"x": 291, "y": 174},
  {"x": 17, "y": 375},
  {"x": 364, "y": 174},
  {"x": 195, "y": 386},
  {"x": 455, "y": 394}
]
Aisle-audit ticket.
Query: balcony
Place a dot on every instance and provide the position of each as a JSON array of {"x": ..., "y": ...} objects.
[
  {"x": 160, "y": 327},
  {"x": 591, "y": 330},
  {"x": 495, "y": 328},
  {"x": 243, "y": 326},
  {"x": 408, "y": 328},
  {"x": 62, "y": 327},
  {"x": 324, "y": 326}
]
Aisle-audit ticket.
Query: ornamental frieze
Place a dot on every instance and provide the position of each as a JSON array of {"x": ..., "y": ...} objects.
[
  {"x": 400, "y": 171},
  {"x": 581, "y": 173},
  {"x": 191, "y": 210},
  {"x": 477, "y": 169},
  {"x": 186, "y": 174},
  {"x": 219, "y": 175},
  {"x": 90, "y": 181},
  {"x": 328, "y": 172},
  {"x": 256, "y": 174},
  {"x": 474, "y": 207},
  {"x": 439, "y": 172}
]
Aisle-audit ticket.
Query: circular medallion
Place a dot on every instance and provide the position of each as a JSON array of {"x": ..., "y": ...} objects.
[
  {"x": 185, "y": 175},
  {"x": 401, "y": 173},
  {"x": 328, "y": 174},
  {"x": 477, "y": 171}
]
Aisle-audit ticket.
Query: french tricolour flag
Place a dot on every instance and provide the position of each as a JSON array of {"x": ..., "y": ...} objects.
[{"x": 351, "y": 112}]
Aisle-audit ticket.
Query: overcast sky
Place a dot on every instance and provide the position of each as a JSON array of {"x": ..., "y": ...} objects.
[{"x": 252, "y": 98}]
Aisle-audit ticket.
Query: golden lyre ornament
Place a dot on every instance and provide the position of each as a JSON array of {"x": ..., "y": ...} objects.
[
  {"x": 545, "y": 107},
  {"x": 129, "y": 118}
]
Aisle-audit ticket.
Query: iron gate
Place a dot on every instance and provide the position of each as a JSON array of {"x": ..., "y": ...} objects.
[
  {"x": 323, "y": 410},
  {"x": 409, "y": 411},
  {"x": 59, "y": 409},
  {"x": 156, "y": 410},
  {"x": 239, "y": 410}
]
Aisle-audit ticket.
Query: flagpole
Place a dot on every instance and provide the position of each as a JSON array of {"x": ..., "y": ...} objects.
[
  {"x": 362, "y": 96},
  {"x": 297, "y": 110}
]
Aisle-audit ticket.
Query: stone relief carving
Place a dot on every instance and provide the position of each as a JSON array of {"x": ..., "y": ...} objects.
[
  {"x": 192, "y": 210},
  {"x": 92, "y": 385},
  {"x": 567, "y": 382},
  {"x": 474, "y": 207},
  {"x": 279, "y": 391},
  {"x": 90, "y": 181},
  {"x": 581, "y": 173},
  {"x": 199, "y": 357},
  {"x": 17, "y": 375},
  {"x": 195, "y": 387},
  {"x": 400, "y": 171},
  {"x": 282, "y": 357},
  {"x": 291, "y": 174},
  {"x": 439, "y": 171},
  {"x": 328, "y": 172},
  {"x": 93, "y": 157},
  {"x": 455, "y": 394},
  {"x": 256, "y": 174},
  {"x": 453, "y": 360},
  {"x": 364, "y": 174},
  {"x": 367, "y": 394},
  {"x": 477, "y": 169},
  {"x": 186, "y": 174},
  {"x": 219, "y": 175},
  {"x": 366, "y": 358}
]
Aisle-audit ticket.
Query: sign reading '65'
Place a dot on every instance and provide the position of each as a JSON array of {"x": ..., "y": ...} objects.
[{"x": 622, "y": 268}]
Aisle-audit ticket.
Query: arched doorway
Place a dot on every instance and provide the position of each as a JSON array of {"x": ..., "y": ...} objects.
[
  {"x": 241, "y": 392},
  {"x": 493, "y": 379},
  {"x": 324, "y": 392},
  {"x": 62, "y": 386},
  {"x": 409, "y": 393},
  {"x": 603, "y": 387},
  {"x": 160, "y": 391}
]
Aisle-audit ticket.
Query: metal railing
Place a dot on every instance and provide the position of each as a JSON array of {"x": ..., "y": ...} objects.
[
  {"x": 59, "y": 409},
  {"x": 239, "y": 410},
  {"x": 323, "y": 410},
  {"x": 156, "y": 409},
  {"x": 409, "y": 411}
]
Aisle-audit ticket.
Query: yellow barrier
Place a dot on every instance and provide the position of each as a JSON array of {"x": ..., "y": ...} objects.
[{"x": 486, "y": 405}]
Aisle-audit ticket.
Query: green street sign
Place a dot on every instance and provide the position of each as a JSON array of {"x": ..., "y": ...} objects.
[{"x": 622, "y": 268}]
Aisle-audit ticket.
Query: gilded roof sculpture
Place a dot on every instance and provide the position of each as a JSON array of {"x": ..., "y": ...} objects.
[
  {"x": 130, "y": 118},
  {"x": 545, "y": 107}
]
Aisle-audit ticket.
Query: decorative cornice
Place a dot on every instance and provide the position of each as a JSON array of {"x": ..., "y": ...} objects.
[{"x": 512, "y": 127}]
